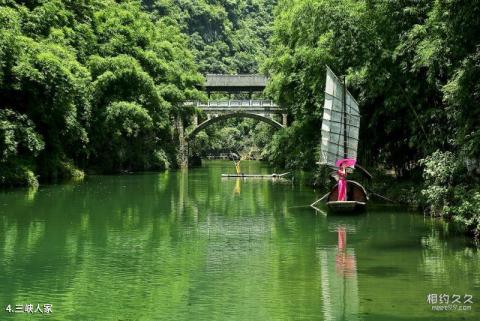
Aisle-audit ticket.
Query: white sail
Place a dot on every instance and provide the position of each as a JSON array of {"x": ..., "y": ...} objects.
[{"x": 332, "y": 146}]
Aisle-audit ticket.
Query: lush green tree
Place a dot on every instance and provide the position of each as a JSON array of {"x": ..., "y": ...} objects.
[
  {"x": 447, "y": 49},
  {"x": 225, "y": 36},
  {"x": 152, "y": 68},
  {"x": 20, "y": 144},
  {"x": 43, "y": 79},
  {"x": 244, "y": 136},
  {"x": 307, "y": 36},
  {"x": 400, "y": 60},
  {"x": 79, "y": 70},
  {"x": 130, "y": 133}
]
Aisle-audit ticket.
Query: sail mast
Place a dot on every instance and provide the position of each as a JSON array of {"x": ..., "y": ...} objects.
[
  {"x": 340, "y": 123},
  {"x": 345, "y": 151}
]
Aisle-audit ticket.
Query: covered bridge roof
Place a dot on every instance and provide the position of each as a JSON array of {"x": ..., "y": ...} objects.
[{"x": 232, "y": 83}]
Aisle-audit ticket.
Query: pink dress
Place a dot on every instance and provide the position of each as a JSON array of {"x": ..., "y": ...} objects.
[{"x": 342, "y": 185}]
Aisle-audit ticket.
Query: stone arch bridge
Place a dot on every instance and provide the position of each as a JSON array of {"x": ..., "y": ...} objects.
[
  {"x": 262, "y": 110},
  {"x": 219, "y": 110}
]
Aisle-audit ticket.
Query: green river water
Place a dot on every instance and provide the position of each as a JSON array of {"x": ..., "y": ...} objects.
[{"x": 187, "y": 245}]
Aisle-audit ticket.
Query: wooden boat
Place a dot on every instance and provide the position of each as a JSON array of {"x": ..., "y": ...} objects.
[
  {"x": 340, "y": 133},
  {"x": 357, "y": 198}
]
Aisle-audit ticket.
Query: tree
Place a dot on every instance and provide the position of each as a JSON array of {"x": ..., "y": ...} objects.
[
  {"x": 20, "y": 144},
  {"x": 74, "y": 68}
]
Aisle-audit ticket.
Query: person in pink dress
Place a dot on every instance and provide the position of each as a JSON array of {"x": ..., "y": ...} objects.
[
  {"x": 342, "y": 165},
  {"x": 342, "y": 182}
]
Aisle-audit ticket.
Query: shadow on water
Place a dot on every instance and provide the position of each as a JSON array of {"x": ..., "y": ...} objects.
[{"x": 382, "y": 271}]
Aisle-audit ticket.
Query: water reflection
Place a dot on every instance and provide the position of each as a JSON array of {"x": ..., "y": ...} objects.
[
  {"x": 346, "y": 265},
  {"x": 237, "y": 189},
  {"x": 339, "y": 280},
  {"x": 172, "y": 245}
]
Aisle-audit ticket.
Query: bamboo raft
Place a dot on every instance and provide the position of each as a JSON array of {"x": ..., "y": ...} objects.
[{"x": 241, "y": 175}]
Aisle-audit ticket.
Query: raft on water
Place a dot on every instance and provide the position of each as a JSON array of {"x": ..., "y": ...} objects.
[{"x": 256, "y": 175}]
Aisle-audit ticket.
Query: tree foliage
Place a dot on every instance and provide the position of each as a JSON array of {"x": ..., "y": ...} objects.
[
  {"x": 246, "y": 137},
  {"x": 20, "y": 144},
  {"x": 226, "y": 36},
  {"x": 414, "y": 66},
  {"x": 97, "y": 81},
  {"x": 410, "y": 63}
]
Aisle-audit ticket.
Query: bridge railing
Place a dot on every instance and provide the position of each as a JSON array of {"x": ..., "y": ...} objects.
[{"x": 232, "y": 103}]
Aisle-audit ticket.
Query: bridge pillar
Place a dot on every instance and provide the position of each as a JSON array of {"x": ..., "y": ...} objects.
[
  {"x": 195, "y": 120},
  {"x": 284, "y": 120},
  {"x": 183, "y": 145}
]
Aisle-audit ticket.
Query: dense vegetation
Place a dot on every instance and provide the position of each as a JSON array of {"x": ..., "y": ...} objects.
[
  {"x": 226, "y": 36},
  {"x": 96, "y": 85},
  {"x": 91, "y": 84},
  {"x": 414, "y": 66},
  {"x": 246, "y": 137},
  {"x": 99, "y": 86}
]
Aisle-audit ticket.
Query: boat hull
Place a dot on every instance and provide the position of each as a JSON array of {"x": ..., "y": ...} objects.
[
  {"x": 357, "y": 199},
  {"x": 346, "y": 206}
]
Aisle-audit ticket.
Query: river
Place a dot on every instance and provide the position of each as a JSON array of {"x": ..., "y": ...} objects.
[{"x": 187, "y": 245}]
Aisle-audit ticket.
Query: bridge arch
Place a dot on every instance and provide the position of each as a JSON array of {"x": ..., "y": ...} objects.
[{"x": 222, "y": 117}]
